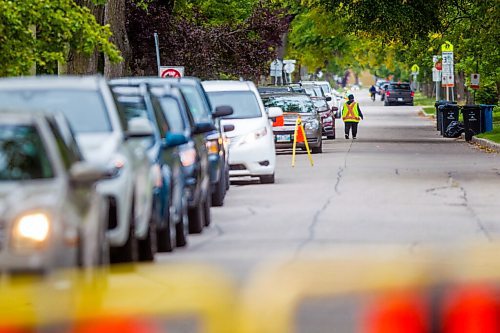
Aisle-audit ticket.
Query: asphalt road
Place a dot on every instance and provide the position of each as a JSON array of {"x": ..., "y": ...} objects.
[{"x": 399, "y": 183}]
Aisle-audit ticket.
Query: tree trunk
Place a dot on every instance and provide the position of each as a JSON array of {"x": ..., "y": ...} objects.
[
  {"x": 83, "y": 64},
  {"x": 115, "y": 16},
  {"x": 460, "y": 86}
]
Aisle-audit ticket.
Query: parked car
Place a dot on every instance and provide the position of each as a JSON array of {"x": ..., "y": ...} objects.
[
  {"x": 51, "y": 214},
  {"x": 104, "y": 137},
  {"x": 398, "y": 93},
  {"x": 293, "y": 106},
  {"x": 252, "y": 151},
  {"x": 327, "y": 115},
  {"x": 163, "y": 148}
]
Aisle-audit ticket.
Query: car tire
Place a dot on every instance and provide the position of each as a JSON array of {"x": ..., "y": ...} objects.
[
  {"x": 206, "y": 210},
  {"x": 220, "y": 192},
  {"x": 332, "y": 136},
  {"x": 196, "y": 218},
  {"x": 182, "y": 227},
  {"x": 319, "y": 149},
  {"x": 128, "y": 252},
  {"x": 148, "y": 246},
  {"x": 228, "y": 181},
  {"x": 267, "y": 179},
  {"x": 167, "y": 235}
]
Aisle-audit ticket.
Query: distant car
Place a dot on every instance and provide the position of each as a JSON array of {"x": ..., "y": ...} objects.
[
  {"x": 251, "y": 148},
  {"x": 327, "y": 116},
  {"x": 293, "y": 106},
  {"x": 51, "y": 215},
  {"x": 398, "y": 93},
  {"x": 105, "y": 137}
]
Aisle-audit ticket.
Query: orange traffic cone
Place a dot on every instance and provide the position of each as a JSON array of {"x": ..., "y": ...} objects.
[
  {"x": 279, "y": 121},
  {"x": 301, "y": 136}
]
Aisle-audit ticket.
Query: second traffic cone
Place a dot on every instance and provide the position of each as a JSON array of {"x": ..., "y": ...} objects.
[
  {"x": 301, "y": 137},
  {"x": 280, "y": 121}
]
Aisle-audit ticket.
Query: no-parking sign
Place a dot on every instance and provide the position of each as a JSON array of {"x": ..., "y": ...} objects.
[{"x": 172, "y": 71}]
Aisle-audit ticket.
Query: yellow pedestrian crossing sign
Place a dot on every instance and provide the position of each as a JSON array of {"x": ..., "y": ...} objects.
[
  {"x": 447, "y": 47},
  {"x": 415, "y": 69}
]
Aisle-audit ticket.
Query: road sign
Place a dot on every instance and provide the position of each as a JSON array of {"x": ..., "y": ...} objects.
[
  {"x": 289, "y": 65},
  {"x": 448, "y": 79},
  {"x": 474, "y": 81},
  {"x": 436, "y": 75},
  {"x": 171, "y": 71},
  {"x": 438, "y": 65},
  {"x": 277, "y": 68},
  {"x": 447, "y": 47},
  {"x": 415, "y": 69}
]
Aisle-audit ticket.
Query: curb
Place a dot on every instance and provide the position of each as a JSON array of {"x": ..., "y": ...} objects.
[
  {"x": 486, "y": 143},
  {"x": 423, "y": 114}
]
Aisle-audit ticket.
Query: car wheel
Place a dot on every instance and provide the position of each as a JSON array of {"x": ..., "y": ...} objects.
[
  {"x": 228, "y": 182},
  {"x": 319, "y": 149},
  {"x": 208, "y": 204},
  {"x": 267, "y": 179},
  {"x": 220, "y": 192},
  {"x": 332, "y": 136},
  {"x": 148, "y": 246},
  {"x": 128, "y": 252},
  {"x": 167, "y": 235},
  {"x": 196, "y": 218},
  {"x": 182, "y": 227}
]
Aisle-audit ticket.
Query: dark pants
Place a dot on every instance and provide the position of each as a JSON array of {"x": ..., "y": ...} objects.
[{"x": 349, "y": 126}]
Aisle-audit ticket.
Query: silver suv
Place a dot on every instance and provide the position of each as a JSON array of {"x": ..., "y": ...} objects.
[{"x": 106, "y": 138}]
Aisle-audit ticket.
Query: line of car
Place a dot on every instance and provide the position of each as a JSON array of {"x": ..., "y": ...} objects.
[
  {"x": 93, "y": 171},
  {"x": 394, "y": 93}
]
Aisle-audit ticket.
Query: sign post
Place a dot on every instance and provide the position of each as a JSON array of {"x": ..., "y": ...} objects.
[
  {"x": 157, "y": 47},
  {"x": 289, "y": 67},
  {"x": 474, "y": 83},
  {"x": 436, "y": 75},
  {"x": 171, "y": 71},
  {"x": 448, "y": 79},
  {"x": 414, "y": 71}
]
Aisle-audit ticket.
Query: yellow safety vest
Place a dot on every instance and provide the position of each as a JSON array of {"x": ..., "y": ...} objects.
[{"x": 350, "y": 113}]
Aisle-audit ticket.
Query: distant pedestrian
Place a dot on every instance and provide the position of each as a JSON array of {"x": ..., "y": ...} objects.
[{"x": 351, "y": 115}]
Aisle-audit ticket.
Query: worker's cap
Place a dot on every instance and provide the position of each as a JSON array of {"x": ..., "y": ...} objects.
[{"x": 350, "y": 96}]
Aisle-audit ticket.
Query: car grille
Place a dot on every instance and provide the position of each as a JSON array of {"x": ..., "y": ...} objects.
[{"x": 237, "y": 167}]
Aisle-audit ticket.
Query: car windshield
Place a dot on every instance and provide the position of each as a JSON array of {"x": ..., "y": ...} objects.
[
  {"x": 84, "y": 110},
  {"x": 173, "y": 114},
  {"x": 22, "y": 154},
  {"x": 310, "y": 91},
  {"x": 195, "y": 103},
  {"x": 326, "y": 88},
  {"x": 400, "y": 86},
  {"x": 297, "y": 104},
  {"x": 244, "y": 103},
  {"x": 320, "y": 103}
]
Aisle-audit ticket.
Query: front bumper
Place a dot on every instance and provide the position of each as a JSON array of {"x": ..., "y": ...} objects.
[
  {"x": 215, "y": 165},
  {"x": 254, "y": 159},
  {"x": 313, "y": 139},
  {"x": 399, "y": 100}
]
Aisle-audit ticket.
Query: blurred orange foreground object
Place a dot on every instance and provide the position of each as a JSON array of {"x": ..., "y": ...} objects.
[
  {"x": 280, "y": 121},
  {"x": 116, "y": 324},
  {"x": 472, "y": 310},
  {"x": 12, "y": 329},
  {"x": 396, "y": 313}
]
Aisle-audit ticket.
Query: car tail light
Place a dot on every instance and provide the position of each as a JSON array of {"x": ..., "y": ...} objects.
[
  {"x": 388, "y": 93},
  {"x": 412, "y": 93}
]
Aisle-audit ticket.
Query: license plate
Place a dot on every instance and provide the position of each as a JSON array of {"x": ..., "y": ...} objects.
[
  {"x": 400, "y": 99},
  {"x": 283, "y": 138}
]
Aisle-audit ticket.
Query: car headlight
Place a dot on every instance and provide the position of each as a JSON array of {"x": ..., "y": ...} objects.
[
  {"x": 213, "y": 146},
  {"x": 311, "y": 125},
  {"x": 116, "y": 166},
  {"x": 188, "y": 157},
  {"x": 254, "y": 136},
  {"x": 31, "y": 231}
]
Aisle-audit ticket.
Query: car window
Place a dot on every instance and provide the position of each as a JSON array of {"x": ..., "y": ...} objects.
[
  {"x": 400, "y": 86},
  {"x": 196, "y": 105},
  {"x": 173, "y": 113},
  {"x": 66, "y": 149},
  {"x": 296, "y": 104},
  {"x": 320, "y": 103},
  {"x": 22, "y": 154},
  {"x": 310, "y": 91},
  {"x": 135, "y": 107},
  {"x": 326, "y": 88},
  {"x": 85, "y": 110},
  {"x": 244, "y": 103},
  {"x": 318, "y": 90}
]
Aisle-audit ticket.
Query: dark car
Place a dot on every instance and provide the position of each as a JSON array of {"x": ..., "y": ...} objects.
[
  {"x": 327, "y": 116},
  {"x": 398, "y": 93},
  {"x": 164, "y": 151}
]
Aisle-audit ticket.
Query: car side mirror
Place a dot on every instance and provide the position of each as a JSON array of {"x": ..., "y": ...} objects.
[
  {"x": 274, "y": 112},
  {"x": 328, "y": 99},
  {"x": 223, "y": 111},
  {"x": 84, "y": 173},
  {"x": 139, "y": 128},
  {"x": 203, "y": 128},
  {"x": 174, "y": 139},
  {"x": 228, "y": 128}
]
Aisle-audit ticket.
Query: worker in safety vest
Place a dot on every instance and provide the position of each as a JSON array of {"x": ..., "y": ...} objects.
[{"x": 351, "y": 115}]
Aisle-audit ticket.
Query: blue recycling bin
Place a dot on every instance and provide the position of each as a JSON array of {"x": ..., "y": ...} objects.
[{"x": 487, "y": 117}]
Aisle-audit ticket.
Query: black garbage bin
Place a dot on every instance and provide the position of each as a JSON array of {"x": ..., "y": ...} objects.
[
  {"x": 439, "y": 119},
  {"x": 449, "y": 113},
  {"x": 472, "y": 120}
]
